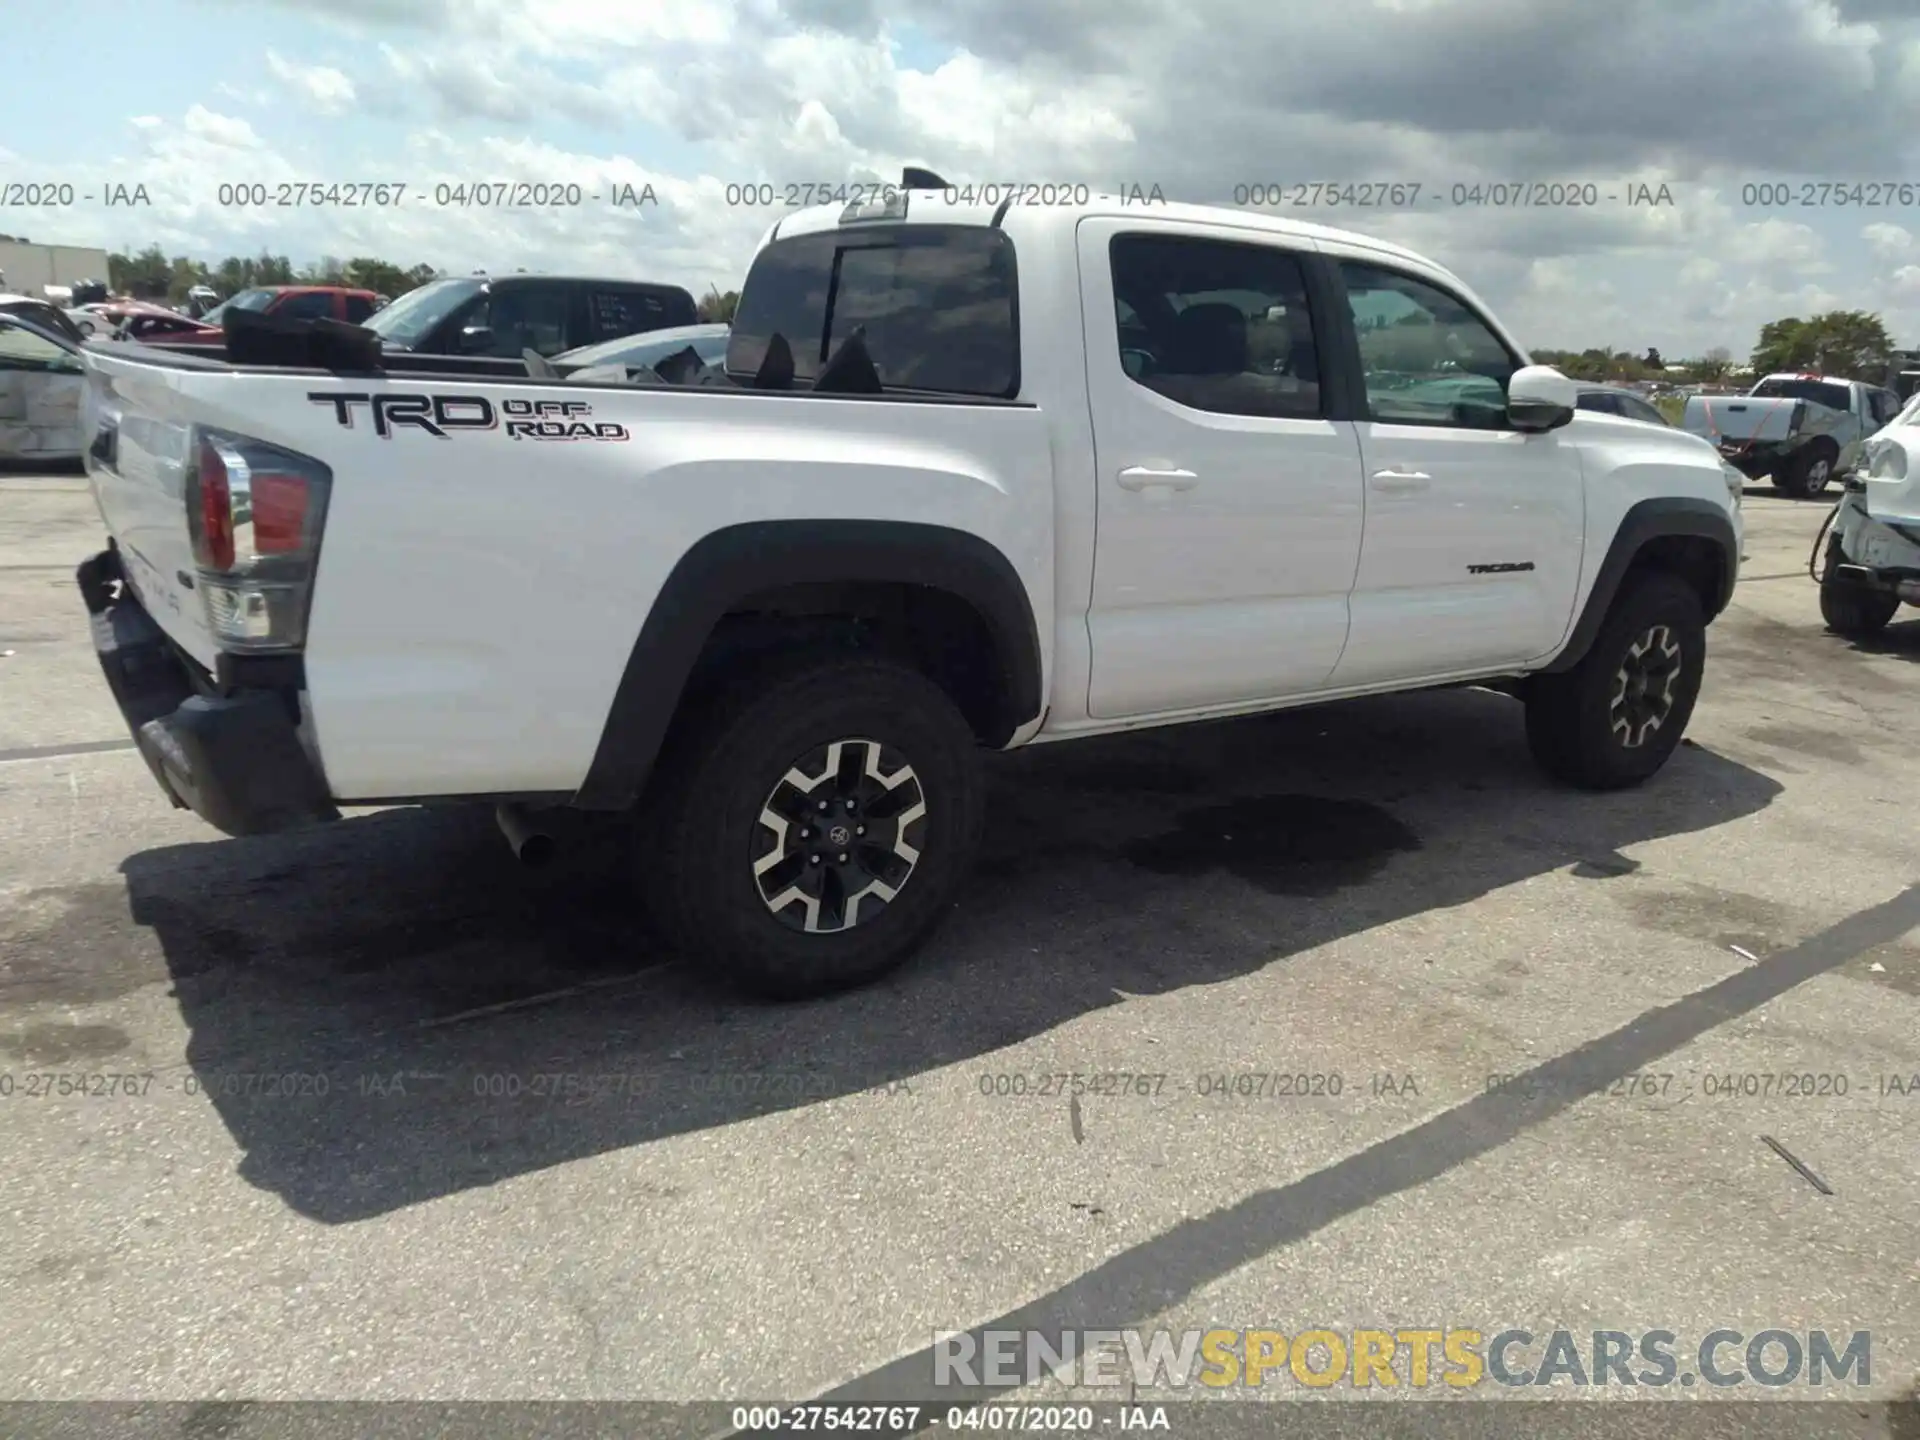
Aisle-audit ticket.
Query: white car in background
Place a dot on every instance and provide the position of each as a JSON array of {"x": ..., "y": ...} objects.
[
  {"x": 1872, "y": 560},
  {"x": 708, "y": 342},
  {"x": 40, "y": 384}
]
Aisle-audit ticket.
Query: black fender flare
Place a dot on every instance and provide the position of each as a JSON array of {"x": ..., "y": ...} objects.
[
  {"x": 738, "y": 561},
  {"x": 1648, "y": 520}
]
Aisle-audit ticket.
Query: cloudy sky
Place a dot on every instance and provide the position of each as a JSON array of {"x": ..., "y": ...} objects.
[{"x": 1710, "y": 98}]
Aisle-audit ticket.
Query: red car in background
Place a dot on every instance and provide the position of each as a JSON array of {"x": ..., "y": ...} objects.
[{"x": 295, "y": 302}]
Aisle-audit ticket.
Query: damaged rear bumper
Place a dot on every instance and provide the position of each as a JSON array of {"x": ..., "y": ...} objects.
[{"x": 232, "y": 755}]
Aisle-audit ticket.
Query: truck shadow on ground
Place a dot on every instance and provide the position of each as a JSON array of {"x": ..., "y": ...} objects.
[
  {"x": 1901, "y": 638},
  {"x": 364, "y": 1000}
]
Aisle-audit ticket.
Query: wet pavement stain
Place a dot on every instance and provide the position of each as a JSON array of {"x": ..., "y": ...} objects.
[
  {"x": 62, "y": 1044},
  {"x": 1899, "y": 968},
  {"x": 1717, "y": 917},
  {"x": 1303, "y": 845},
  {"x": 75, "y": 945},
  {"x": 1808, "y": 740}
]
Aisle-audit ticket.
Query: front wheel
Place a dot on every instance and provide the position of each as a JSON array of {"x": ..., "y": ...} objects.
[
  {"x": 814, "y": 826},
  {"x": 1617, "y": 716}
]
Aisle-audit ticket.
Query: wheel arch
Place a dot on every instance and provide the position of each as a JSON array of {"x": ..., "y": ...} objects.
[
  {"x": 1683, "y": 535},
  {"x": 733, "y": 565}
]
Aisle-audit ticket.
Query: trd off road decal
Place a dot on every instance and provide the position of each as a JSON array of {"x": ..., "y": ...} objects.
[{"x": 441, "y": 415}]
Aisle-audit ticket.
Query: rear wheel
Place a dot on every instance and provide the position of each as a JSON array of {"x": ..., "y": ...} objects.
[
  {"x": 1808, "y": 471},
  {"x": 1616, "y": 717},
  {"x": 812, "y": 827}
]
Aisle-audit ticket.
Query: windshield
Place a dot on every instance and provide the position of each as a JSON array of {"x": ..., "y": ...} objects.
[
  {"x": 411, "y": 318},
  {"x": 1821, "y": 392},
  {"x": 708, "y": 341},
  {"x": 245, "y": 300}
]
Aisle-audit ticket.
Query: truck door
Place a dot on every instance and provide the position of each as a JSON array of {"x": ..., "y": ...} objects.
[
  {"x": 1228, "y": 507},
  {"x": 1475, "y": 531}
]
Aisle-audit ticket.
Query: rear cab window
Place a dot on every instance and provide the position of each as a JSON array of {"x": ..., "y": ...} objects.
[
  {"x": 938, "y": 304},
  {"x": 614, "y": 311},
  {"x": 313, "y": 305},
  {"x": 1820, "y": 392}
]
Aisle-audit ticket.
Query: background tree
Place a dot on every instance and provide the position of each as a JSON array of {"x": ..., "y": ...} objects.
[
  {"x": 150, "y": 275},
  {"x": 1602, "y": 363},
  {"x": 716, "y": 308},
  {"x": 383, "y": 277},
  {"x": 1851, "y": 343},
  {"x": 1713, "y": 365}
]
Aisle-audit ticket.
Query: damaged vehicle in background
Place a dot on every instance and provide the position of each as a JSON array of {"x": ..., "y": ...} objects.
[
  {"x": 1872, "y": 560},
  {"x": 1799, "y": 430},
  {"x": 40, "y": 382}
]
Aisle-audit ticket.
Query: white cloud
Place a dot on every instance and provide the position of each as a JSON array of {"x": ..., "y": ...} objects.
[
  {"x": 1888, "y": 241},
  {"x": 1780, "y": 243},
  {"x": 221, "y": 131},
  {"x": 326, "y": 89}
]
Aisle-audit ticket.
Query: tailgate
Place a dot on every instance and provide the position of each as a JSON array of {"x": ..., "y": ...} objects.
[
  {"x": 1742, "y": 417},
  {"x": 135, "y": 430}
]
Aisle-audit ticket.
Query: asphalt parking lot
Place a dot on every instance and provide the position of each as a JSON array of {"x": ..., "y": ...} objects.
[{"x": 339, "y": 1183}]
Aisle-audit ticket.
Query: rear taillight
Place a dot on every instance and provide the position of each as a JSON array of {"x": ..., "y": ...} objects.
[
  {"x": 255, "y": 513},
  {"x": 210, "y": 517}
]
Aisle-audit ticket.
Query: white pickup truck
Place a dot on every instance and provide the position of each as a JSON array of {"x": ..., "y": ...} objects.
[
  {"x": 971, "y": 478},
  {"x": 1801, "y": 430}
]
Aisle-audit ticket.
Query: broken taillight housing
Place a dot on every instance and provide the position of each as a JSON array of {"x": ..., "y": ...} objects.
[{"x": 255, "y": 513}]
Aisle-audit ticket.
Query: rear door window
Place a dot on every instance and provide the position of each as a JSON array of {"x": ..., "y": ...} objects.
[
  {"x": 359, "y": 307},
  {"x": 937, "y": 303},
  {"x": 1216, "y": 324}
]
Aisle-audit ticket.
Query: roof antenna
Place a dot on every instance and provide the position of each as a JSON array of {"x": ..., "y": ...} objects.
[{"x": 914, "y": 178}]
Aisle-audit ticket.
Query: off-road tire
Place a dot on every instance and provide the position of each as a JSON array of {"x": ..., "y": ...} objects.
[
  {"x": 1575, "y": 718},
  {"x": 1808, "y": 470},
  {"x": 1853, "y": 610},
  {"x": 702, "y": 831}
]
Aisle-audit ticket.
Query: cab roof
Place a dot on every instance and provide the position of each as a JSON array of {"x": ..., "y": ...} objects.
[{"x": 930, "y": 207}]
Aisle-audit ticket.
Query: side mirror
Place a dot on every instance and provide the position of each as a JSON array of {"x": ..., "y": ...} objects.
[
  {"x": 1540, "y": 398},
  {"x": 476, "y": 340}
]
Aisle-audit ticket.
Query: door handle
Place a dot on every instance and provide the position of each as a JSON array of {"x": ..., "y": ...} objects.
[
  {"x": 1401, "y": 480},
  {"x": 1141, "y": 477}
]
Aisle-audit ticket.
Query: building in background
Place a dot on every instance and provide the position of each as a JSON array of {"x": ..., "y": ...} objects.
[{"x": 29, "y": 269}]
